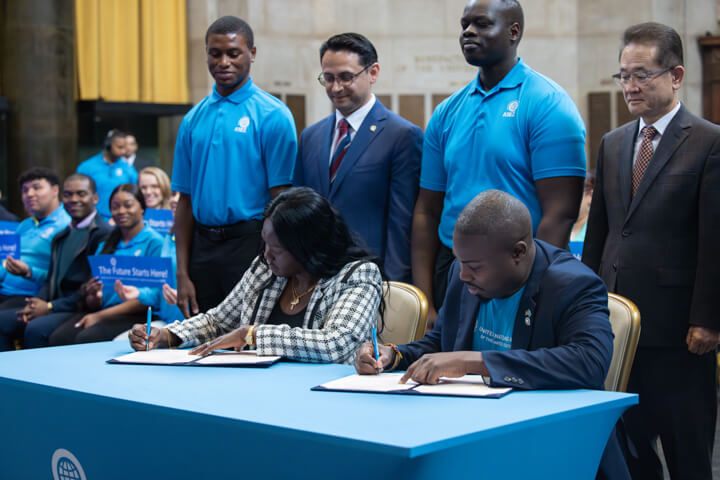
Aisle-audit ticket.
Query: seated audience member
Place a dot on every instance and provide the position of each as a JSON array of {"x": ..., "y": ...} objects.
[
  {"x": 578, "y": 230},
  {"x": 109, "y": 169},
  {"x": 168, "y": 311},
  {"x": 313, "y": 295},
  {"x": 24, "y": 276},
  {"x": 519, "y": 311},
  {"x": 110, "y": 314},
  {"x": 58, "y": 299},
  {"x": 155, "y": 187},
  {"x": 5, "y": 214}
]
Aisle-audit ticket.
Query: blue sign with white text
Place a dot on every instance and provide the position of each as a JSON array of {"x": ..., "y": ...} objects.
[
  {"x": 160, "y": 220},
  {"x": 9, "y": 244},
  {"x": 8, "y": 227},
  {"x": 135, "y": 271}
]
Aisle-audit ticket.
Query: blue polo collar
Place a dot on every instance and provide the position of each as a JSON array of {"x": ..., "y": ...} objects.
[
  {"x": 514, "y": 77},
  {"x": 50, "y": 218},
  {"x": 237, "y": 96}
]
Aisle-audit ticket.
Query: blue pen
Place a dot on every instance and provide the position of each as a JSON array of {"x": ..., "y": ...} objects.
[
  {"x": 375, "y": 346},
  {"x": 149, "y": 318}
]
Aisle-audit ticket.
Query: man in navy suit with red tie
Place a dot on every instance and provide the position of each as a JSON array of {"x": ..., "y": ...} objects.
[{"x": 364, "y": 158}]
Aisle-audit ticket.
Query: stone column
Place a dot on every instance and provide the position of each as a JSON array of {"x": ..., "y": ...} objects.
[{"x": 37, "y": 62}]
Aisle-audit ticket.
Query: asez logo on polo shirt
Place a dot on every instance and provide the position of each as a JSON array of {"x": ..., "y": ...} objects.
[
  {"x": 242, "y": 125},
  {"x": 511, "y": 108}
]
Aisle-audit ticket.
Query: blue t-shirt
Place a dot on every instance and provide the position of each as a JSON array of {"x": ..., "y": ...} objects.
[
  {"x": 147, "y": 243},
  {"x": 496, "y": 322},
  {"x": 526, "y": 128},
  {"x": 230, "y": 151},
  {"x": 35, "y": 250},
  {"x": 107, "y": 176}
]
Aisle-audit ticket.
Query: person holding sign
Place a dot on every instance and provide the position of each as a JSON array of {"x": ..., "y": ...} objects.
[
  {"x": 110, "y": 314},
  {"x": 313, "y": 295},
  {"x": 23, "y": 276},
  {"x": 58, "y": 299},
  {"x": 169, "y": 311}
]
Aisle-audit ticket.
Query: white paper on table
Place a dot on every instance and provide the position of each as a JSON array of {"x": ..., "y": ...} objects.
[
  {"x": 384, "y": 382},
  {"x": 236, "y": 358},
  {"x": 161, "y": 356}
]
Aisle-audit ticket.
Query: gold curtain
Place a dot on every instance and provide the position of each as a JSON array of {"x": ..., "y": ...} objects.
[{"x": 132, "y": 50}]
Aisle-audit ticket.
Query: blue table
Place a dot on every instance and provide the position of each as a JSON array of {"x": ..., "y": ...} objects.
[{"x": 129, "y": 421}]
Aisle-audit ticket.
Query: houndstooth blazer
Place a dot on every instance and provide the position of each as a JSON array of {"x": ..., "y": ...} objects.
[{"x": 338, "y": 318}]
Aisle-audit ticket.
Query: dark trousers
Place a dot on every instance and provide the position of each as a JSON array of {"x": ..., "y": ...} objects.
[
  {"x": 8, "y": 320},
  {"x": 68, "y": 334},
  {"x": 678, "y": 404},
  {"x": 443, "y": 261},
  {"x": 219, "y": 257},
  {"x": 35, "y": 334}
]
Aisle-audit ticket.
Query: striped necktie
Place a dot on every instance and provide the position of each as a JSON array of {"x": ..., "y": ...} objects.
[{"x": 341, "y": 146}]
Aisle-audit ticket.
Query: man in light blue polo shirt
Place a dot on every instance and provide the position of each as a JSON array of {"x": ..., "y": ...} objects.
[
  {"x": 510, "y": 129},
  {"x": 22, "y": 277},
  {"x": 235, "y": 150},
  {"x": 109, "y": 169}
]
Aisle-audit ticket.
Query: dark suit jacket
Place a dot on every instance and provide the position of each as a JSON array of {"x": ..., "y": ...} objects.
[
  {"x": 78, "y": 272},
  {"x": 659, "y": 248},
  {"x": 562, "y": 336},
  {"x": 376, "y": 185}
]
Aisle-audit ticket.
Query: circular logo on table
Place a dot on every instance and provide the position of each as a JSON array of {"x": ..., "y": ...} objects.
[
  {"x": 113, "y": 261},
  {"x": 66, "y": 467}
]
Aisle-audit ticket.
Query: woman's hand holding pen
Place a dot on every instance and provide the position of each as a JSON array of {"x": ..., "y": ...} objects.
[
  {"x": 365, "y": 362},
  {"x": 158, "y": 337}
]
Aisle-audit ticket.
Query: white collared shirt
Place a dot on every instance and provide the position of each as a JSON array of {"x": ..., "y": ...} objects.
[
  {"x": 355, "y": 119},
  {"x": 661, "y": 125},
  {"x": 85, "y": 221}
]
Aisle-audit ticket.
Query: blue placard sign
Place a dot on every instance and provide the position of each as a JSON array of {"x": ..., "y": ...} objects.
[
  {"x": 576, "y": 249},
  {"x": 9, "y": 244},
  {"x": 160, "y": 220},
  {"x": 136, "y": 271},
  {"x": 8, "y": 227}
]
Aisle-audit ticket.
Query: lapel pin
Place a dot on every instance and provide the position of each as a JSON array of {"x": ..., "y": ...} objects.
[
  {"x": 528, "y": 313},
  {"x": 373, "y": 128}
]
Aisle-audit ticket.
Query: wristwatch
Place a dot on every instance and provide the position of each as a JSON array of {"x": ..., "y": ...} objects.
[{"x": 249, "y": 336}]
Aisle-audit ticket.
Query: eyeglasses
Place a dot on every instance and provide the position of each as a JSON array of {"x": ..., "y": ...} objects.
[
  {"x": 344, "y": 79},
  {"x": 640, "y": 78}
]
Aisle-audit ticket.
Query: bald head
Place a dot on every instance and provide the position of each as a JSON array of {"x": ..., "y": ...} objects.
[
  {"x": 496, "y": 215},
  {"x": 493, "y": 244},
  {"x": 509, "y": 10}
]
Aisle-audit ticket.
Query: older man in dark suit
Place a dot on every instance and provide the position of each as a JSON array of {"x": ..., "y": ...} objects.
[{"x": 652, "y": 232}]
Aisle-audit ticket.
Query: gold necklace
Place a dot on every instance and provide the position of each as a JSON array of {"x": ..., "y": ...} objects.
[{"x": 296, "y": 297}]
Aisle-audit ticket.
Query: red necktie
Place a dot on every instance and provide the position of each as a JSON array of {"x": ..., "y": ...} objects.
[
  {"x": 341, "y": 146},
  {"x": 643, "y": 157}
]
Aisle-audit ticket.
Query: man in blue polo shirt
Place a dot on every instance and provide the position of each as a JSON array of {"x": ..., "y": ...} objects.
[
  {"x": 22, "y": 277},
  {"x": 109, "y": 169},
  {"x": 510, "y": 129},
  {"x": 235, "y": 150}
]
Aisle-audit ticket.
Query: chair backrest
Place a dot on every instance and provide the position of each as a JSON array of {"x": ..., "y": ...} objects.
[
  {"x": 625, "y": 322},
  {"x": 405, "y": 315}
]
